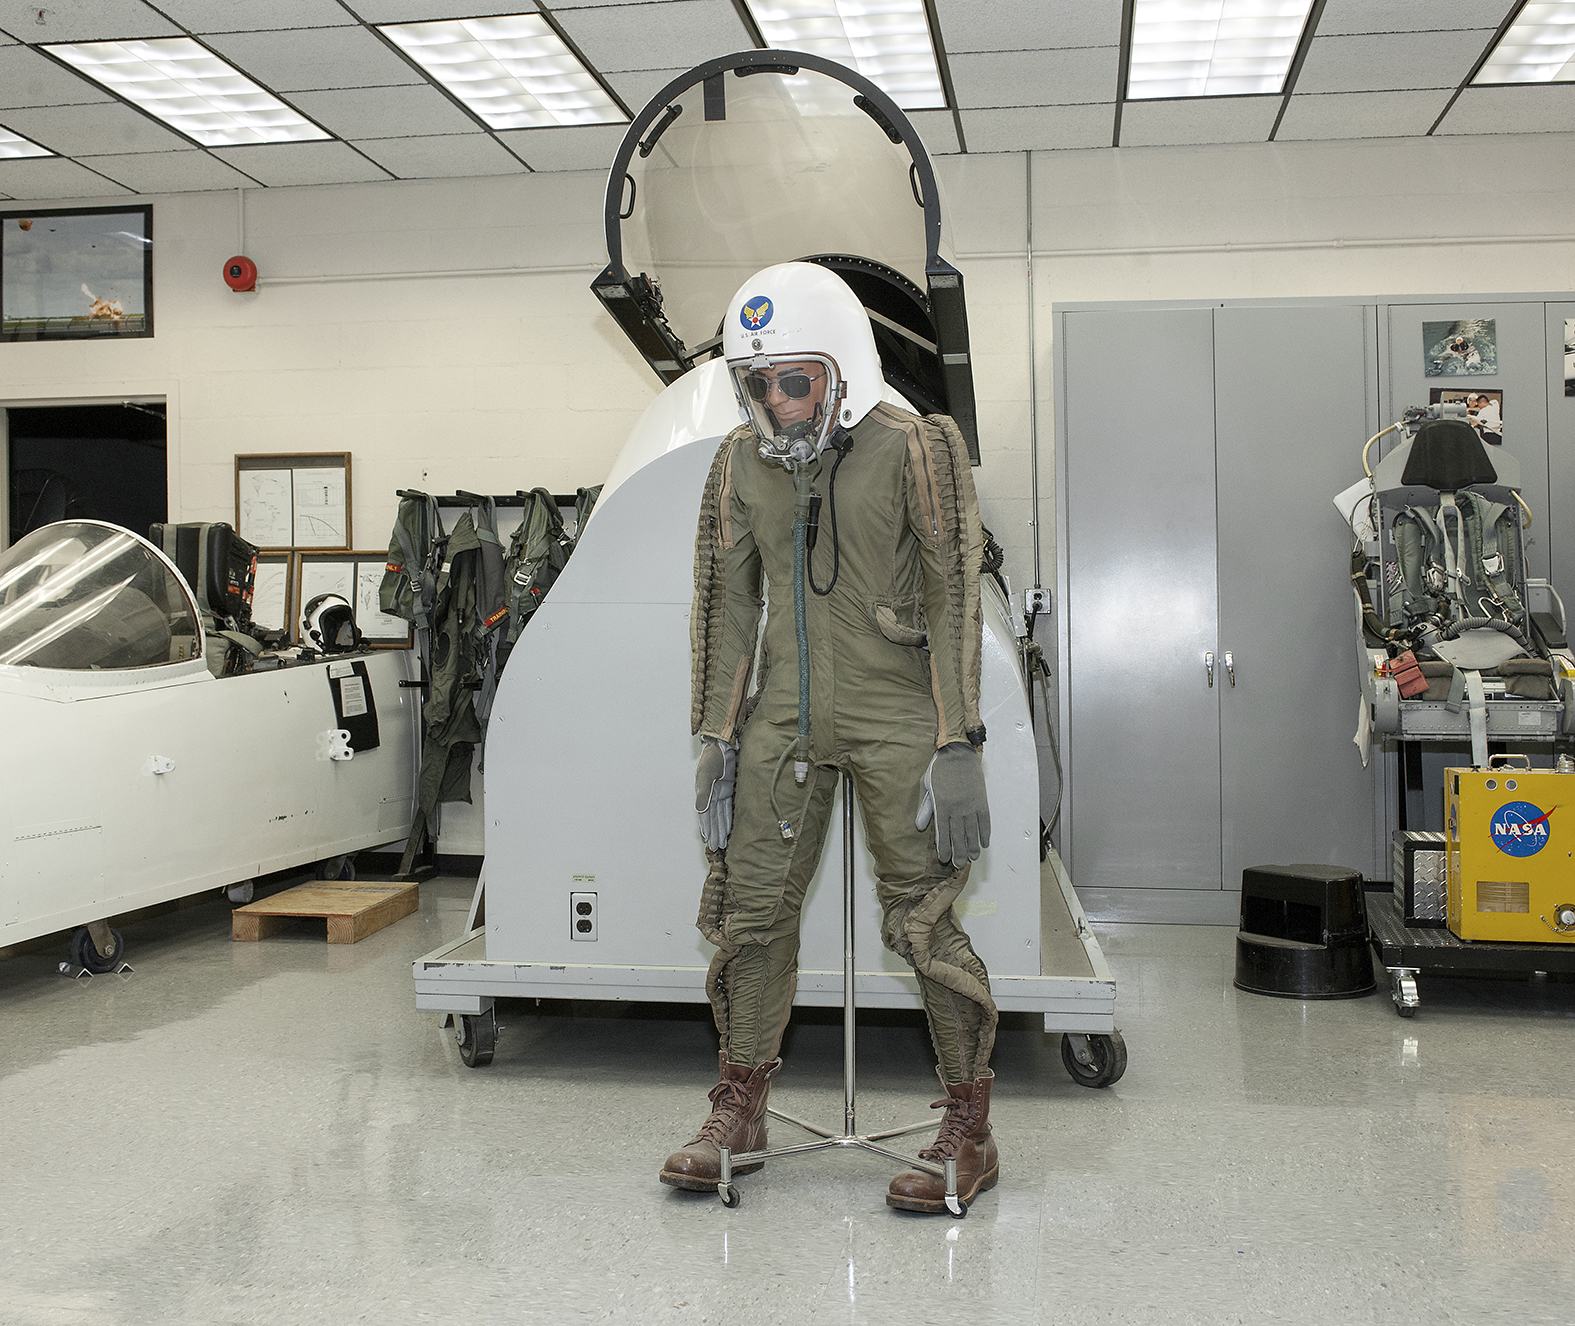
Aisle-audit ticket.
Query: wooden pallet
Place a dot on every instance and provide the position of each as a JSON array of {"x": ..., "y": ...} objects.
[{"x": 353, "y": 909}]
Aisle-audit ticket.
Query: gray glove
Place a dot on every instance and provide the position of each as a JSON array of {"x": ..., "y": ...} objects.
[
  {"x": 714, "y": 778},
  {"x": 954, "y": 797}
]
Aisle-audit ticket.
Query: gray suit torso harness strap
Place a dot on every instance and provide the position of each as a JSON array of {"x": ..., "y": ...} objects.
[{"x": 1467, "y": 687}]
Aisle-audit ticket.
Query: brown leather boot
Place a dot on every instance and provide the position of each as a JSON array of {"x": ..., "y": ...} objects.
[
  {"x": 965, "y": 1136},
  {"x": 737, "y": 1121}
]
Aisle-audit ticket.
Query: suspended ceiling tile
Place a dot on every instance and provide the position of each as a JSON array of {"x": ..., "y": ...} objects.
[
  {"x": 638, "y": 86},
  {"x": 75, "y": 131},
  {"x": 937, "y": 129},
  {"x": 573, "y": 147},
  {"x": 1035, "y": 78},
  {"x": 240, "y": 16},
  {"x": 1343, "y": 17},
  {"x": 7, "y": 41},
  {"x": 315, "y": 58},
  {"x": 1038, "y": 128},
  {"x": 53, "y": 177},
  {"x": 169, "y": 172},
  {"x": 28, "y": 79},
  {"x": 443, "y": 156},
  {"x": 1391, "y": 61},
  {"x": 420, "y": 11},
  {"x": 280, "y": 164},
  {"x": 1361, "y": 114},
  {"x": 385, "y": 112},
  {"x": 83, "y": 20},
  {"x": 556, "y": 5},
  {"x": 676, "y": 34},
  {"x": 1545, "y": 109},
  {"x": 1015, "y": 25},
  {"x": 1198, "y": 120}
]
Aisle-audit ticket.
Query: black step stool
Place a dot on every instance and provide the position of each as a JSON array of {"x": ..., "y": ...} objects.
[{"x": 1303, "y": 933}]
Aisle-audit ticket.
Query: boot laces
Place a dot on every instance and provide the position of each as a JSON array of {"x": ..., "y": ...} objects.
[
  {"x": 955, "y": 1128},
  {"x": 729, "y": 1100}
]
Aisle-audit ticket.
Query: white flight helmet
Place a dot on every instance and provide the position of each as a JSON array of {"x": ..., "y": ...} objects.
[
  {"x": 791, "y": 315},
  {"x": 328, "y": 625}
]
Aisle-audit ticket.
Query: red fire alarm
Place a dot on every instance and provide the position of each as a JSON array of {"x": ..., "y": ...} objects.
[{"x": 240, "y": 274}]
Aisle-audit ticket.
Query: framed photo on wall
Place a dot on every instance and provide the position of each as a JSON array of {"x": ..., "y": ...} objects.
[
  {"x": 357, "y": 576},
  {"x": 294, "y": 500},
  {"x": 76, "y": 273}
]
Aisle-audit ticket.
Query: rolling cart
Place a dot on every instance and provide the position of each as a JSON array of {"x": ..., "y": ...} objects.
[{"x": 1408, "y": 951}]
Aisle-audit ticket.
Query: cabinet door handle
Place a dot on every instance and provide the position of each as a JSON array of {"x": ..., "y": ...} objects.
[
  {"x": 1230, "y": 669},
  {"x": 1208, "y": 662}
]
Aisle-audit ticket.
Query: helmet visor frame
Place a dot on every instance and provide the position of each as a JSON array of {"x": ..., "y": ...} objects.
[{"x": 772, "y": 391}]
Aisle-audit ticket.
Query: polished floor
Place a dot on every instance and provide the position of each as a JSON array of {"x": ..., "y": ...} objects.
[{"x": 269, "y": 1133}]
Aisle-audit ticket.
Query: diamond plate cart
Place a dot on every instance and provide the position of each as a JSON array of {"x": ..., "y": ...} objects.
[{"x": 1408, "y": 951}]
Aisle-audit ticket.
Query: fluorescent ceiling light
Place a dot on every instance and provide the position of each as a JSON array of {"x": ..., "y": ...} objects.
[
  {"x": 187, "y": 86},
  {"x": 888, "y": 41},
  {"x": 1213, "y": 48},
  {"x": 514, "y": 72},
  {"x": 13, "y": 146},
  {"x": 1538, "y": 48}
]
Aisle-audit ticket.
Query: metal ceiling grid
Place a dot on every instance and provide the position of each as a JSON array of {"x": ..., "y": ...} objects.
[{"x": 1020, "y": 75}]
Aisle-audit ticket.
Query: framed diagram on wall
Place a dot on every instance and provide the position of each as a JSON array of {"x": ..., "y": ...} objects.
[
  {"x": 357, "y": 577},
  {"x": 273, "y": 593},
  {"x": 294, "y": 500},
  {"x": 77, "y": 273}
]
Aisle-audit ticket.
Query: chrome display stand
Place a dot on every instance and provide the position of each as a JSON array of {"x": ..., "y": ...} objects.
[{"x": 849, "y": 1137}]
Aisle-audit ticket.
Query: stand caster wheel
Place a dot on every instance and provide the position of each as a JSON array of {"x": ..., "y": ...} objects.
[
  {"x": 1096, "y": 1060},
  {"x": 957, "y": 1211},
  {"x": 84, "y": 953},
  {"x": 336, "y": 867},
  {"x": 477, "y": 1037},
  {"x": 731, "y": 1197}
]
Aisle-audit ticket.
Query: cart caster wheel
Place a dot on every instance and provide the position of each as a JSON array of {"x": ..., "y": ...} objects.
[
  {"x": 1096, "y": 1060},
  {"x": 731, "y": 1198},
  {"x": 1402, "y": 989},
  {"x": 477, "y": 1037},
  {"x": 85, "y": 954},
  {"x": 336, "y": 867},
  {"x": 956, "y": 1207},
  {"x": 243, "y": 892}
]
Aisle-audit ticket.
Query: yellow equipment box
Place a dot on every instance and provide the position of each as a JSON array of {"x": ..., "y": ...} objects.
[{"x": 1511, "y": 864}]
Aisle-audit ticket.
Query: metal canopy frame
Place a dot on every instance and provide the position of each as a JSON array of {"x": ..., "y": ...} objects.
[{"x": 636, "y": 302}]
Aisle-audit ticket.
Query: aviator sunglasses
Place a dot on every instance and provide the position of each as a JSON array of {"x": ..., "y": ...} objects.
[{"x": 795, "y": 386}]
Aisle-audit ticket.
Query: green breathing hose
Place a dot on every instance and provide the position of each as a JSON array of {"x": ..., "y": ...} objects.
[{"x": 800, "y": 527}]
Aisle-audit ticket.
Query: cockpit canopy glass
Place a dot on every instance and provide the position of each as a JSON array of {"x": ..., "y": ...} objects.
[
  {"x": 794, "y": 170},
  {"x": 80, "y": 595}
]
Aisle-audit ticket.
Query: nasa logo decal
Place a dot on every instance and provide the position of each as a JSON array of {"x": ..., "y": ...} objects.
[
  {"x": 1520, "y": 828},
  {"x": 756, "y": 312}
]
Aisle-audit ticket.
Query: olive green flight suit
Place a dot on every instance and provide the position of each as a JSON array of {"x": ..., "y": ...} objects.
[{"x": 881, "y": 704}]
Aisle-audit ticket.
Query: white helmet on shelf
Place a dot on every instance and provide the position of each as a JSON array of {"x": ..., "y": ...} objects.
[
  {"x": 328, "y": 624},
  {"x": 801, "y": 357}
]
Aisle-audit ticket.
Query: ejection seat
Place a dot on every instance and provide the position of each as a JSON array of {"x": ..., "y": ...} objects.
[{"x": 1454, "y": 641}]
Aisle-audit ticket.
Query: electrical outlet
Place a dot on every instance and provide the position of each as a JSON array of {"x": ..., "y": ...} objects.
[
  {"x": 582, "y": 917},
  {"x": 1036, "y": 600}
]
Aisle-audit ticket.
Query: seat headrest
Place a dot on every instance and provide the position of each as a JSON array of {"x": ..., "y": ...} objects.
[{"x": 1448, "y": 456}]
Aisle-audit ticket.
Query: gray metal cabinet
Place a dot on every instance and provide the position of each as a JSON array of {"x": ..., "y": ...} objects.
[
  {"x": 1288, "y": 434},
  {"x": 1198, "y": 449},
  {"x": 1139, "y": 526}
]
